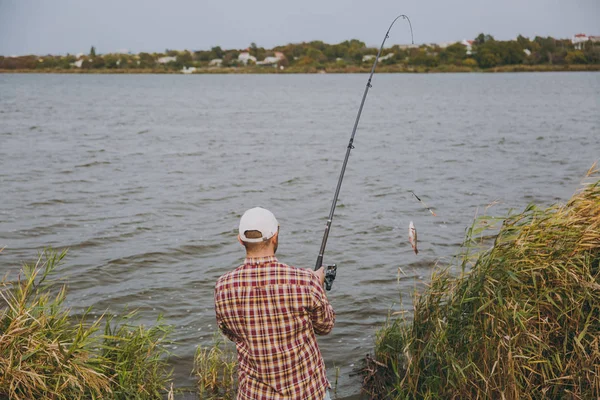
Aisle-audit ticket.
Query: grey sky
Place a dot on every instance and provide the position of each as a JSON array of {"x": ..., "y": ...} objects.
[{"x": 73, "y": 26}]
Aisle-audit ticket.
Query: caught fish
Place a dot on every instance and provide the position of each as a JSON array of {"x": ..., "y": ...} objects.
[
  {"x": 424, "y": 205},
  {"x": 412, "y": 236}
]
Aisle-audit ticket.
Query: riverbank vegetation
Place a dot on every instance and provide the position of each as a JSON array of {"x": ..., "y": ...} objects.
[
  {"x": 47, "y": 354},
  {"x": 215, "y": 368},
  {"x": 484, "y": 53},
  {"x": 522, "y": 320}
]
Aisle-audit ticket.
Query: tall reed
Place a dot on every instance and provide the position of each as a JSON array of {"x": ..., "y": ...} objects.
[
  {"x": 215, "y": 367},
  {"x": 47, "y": 354},
  {"x": 136, "y": 359},
  {"x": 521, "y": 321}
]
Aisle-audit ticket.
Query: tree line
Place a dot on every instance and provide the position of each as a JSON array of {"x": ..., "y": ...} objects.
[{"x": 483, "y": 52}]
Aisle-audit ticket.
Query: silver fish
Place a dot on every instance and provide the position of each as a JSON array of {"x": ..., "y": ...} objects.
[{"x": 412, "y": 236}]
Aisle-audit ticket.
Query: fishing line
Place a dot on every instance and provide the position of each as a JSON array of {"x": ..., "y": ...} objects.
[
  {"x": 331, "y": 270},
  {"x": 423, "y": 203}
]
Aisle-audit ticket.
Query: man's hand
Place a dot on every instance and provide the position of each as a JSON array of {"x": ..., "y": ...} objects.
[{"x": 320, "y": 274}]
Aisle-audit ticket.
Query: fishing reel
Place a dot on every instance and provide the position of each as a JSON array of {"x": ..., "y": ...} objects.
[{"x": 330, "y": 272}]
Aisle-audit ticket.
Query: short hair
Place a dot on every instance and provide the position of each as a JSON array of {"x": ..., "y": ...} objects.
[{"x": 254, "y": 246}]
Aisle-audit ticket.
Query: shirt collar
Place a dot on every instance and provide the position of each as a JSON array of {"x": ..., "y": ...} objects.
[{"x": 260, "y": 260}]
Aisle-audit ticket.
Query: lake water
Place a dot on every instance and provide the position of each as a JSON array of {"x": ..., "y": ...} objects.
[{"x": 144, "y": 178}]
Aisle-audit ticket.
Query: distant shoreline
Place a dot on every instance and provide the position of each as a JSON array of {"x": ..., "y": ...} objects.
[{"x": 314, "y": 70}]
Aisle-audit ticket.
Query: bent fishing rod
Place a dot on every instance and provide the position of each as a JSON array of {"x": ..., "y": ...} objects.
[{"x": 331, "y": 269}]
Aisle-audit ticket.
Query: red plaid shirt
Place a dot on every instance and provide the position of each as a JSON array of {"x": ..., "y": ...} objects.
[{"x": 272, "y": 312}]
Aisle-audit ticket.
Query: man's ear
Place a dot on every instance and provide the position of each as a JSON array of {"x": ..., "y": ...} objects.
[{"x": 241, "y": 241}]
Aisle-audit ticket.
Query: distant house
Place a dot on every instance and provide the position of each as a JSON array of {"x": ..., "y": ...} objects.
[
  {"x": 443, "y": 45},
  {"x": 469, "y": 45},
  {"x": 387, "y": 56},
  {"x": 408, "y": 46},
  {"x": 166, "y": 60},
  {"x": 272, "y": 60},
  {"x": 216, "y": 62},
  {"x": 245, "y": 57},
  {"x": 370, "y": 57},
  {"x": 527, "y": 52},
  {"x": 579, "y": 39},
  {"x": 189, "y": 70},
  {"x": 80, "y": 60},
  {"x": 268, "y": 61}
]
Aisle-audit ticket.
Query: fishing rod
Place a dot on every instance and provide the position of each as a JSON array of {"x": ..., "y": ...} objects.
[{"x": 332, "y": 269}]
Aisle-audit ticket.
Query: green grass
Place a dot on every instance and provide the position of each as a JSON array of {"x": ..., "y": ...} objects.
[
  {"x": 521, "y": 321},
  {"x": 136, "y": 359},
  {"x": 47, "y": 354},
  {"x": 215, "y": 368}
]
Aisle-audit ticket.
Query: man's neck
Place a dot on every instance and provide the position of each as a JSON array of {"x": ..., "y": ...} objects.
[{"x": 260, "y": 254}]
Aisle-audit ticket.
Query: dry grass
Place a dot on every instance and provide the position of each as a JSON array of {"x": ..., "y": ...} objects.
[
  {"x": 215, "y": 367},
  {"x": 45, "y": 354},
  {"x": 524, "y": 322}
]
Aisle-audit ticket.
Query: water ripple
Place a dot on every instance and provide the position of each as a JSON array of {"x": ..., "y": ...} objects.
[{"x": 147, "y": 192}]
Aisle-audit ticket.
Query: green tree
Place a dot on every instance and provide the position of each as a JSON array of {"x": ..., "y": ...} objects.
[
  {"x": 93, "y": 52},
  {"x": 524, "y": 42},
  {"x": 483, "y": 38},
  {"x": 486, "y": 59},
  {"x": 355, "y": 55},
  {"x": 592, "y": 53},
  {"x": 66, "y": 61},
  {"x": 202, "y": 55},
  {"x": 97, "y": 62},
  {"x": 453, "y": 54},
  {"x": 511, "y": 53},
  {"x": 306, "y": 61},
  {"x": 576, "y": 57},
  {"x": 318, "y": 44},
  {"x": 316, "y": 55},
  {"x": 547, "y": 47},
  {"x": 146, "y": 60},
  {"x": 216, "y": 52},
  {"x": 425, "y": 58},
  {"x": 111, "y": 61},
  {"x": 184, "y": 58},
  {"x": 253, "y": 49}
]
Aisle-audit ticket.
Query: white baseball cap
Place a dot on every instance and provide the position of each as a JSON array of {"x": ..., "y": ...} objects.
[{"x": 258, "y": 219}]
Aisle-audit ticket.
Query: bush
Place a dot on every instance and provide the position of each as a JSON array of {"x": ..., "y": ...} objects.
[
  {"x": 469, "y": 62},
  {"x": 523, "y": 323},
  {"x": 45, "y": 354},
  {"x": 576, "y": 57}
]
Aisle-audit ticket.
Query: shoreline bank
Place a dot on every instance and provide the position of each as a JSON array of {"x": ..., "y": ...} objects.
[{"x": 316, "y": 70}]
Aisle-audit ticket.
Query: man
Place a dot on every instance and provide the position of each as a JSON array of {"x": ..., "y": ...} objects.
[{"x": 272, "y": 312}]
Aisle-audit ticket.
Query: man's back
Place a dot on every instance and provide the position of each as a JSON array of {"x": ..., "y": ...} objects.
[{"x": 272, "y": 312}]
